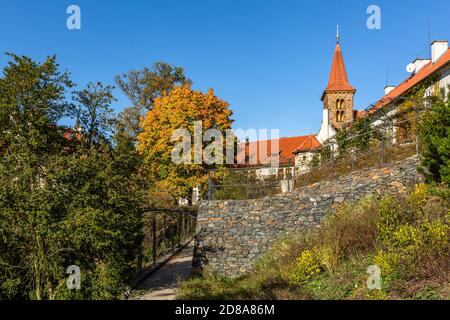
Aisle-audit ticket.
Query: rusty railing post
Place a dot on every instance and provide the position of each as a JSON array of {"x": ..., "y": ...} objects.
[
  {"x": 382, "y": 148},
  {"x": 333, "y": 164},
  {"x": 183, "y": 225},
  {"x": 173, "y": 235},
  {"x": 246, "y": 184},
  {"x": 209, "y": 193},
  {"x": 154, "y": 237},
  {"x": 417, "y": 144},
  {"x": 164, "y": 232},
  {"x": 141, "y": 245},
  {"x": 353, "y": 157},
  {"x": 416, "y": 120},
  {"x": 179, "y": 230}
]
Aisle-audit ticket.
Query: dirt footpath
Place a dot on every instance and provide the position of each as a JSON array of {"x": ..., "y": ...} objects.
[{"x": 163, "y": 283}]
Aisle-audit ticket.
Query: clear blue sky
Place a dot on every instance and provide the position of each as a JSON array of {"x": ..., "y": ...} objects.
[{"x": 269, "y": 59}]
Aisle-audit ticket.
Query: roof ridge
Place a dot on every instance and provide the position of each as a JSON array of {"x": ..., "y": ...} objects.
[
  {"x": 310, "y": 139},
  {"x": 411, "y": 81}
]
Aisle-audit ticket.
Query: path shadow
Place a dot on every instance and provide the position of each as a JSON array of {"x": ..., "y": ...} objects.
[{"x": 163, "y": 283}]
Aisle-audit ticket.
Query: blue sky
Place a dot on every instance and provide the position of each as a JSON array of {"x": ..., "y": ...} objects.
[{"x": 269, "y": 59}]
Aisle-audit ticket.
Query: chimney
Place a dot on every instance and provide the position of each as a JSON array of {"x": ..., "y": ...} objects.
[
  {"x": 388, "y": 89},
  {"x": 419, "y": 63},
  {"x": 438, "y": 48},
  {"x": 247, "y": 151}
]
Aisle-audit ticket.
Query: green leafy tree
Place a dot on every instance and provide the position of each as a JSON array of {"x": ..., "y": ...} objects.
[
  {"x": 94, "y": 115},
  {"x": 104, "y": 221},
  {"x": 128, "y": 123},
  {"x": 359, "y": 135},
  {"x": 434, "y": 135},
  {"x": 31, "y": 101},
  {"x": 142, "y": 87},
  {"x": 62, "y": 203}
]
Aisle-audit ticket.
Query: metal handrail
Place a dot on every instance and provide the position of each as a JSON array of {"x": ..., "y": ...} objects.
[
  {"x": 165, "y": 236},
  {"x": 335, "y": 161}
]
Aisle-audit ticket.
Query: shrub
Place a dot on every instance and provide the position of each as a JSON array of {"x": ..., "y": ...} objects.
[
  {"x": 327, "y": 257},
  {"x": 418, "y": 246},
  {"x": 280, "y": 258},
  {"x": 419, "y": 196},
  {"x": 414, "y": 235},
  {"x": 387, "y": 261},
  {"x": 390, "y": 216},
  {"x": 305, "y": 267},
  {"x": 435, "y": 138},
  {"x": 352, "y": 230}
]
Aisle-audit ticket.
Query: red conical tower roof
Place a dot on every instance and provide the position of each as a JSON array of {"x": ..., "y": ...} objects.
[{"x": 338, "y": 76}]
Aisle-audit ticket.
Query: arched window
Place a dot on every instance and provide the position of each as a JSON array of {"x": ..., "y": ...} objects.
[
  {"x": 340, "y": 110},
  {"x": 340, "y": 115}
]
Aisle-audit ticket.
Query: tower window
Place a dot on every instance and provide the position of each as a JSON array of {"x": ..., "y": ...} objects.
[
  {"x": 340, "y": 115},
  {"x": 340, "y": 110}
]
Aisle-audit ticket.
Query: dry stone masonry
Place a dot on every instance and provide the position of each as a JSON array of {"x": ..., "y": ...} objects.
[{"x": 233, "y": 234}]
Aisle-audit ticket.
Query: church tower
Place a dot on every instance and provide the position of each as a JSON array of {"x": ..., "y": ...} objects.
[{"x": 337, "y": 98}]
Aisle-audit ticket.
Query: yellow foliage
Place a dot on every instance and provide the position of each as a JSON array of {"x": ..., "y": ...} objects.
[
  {"x": 305, "y": 267},
  {"x": 410, "y": 244},
  {"x": 376, "y": 295},
  {"x": 179, "y": 109},
  {"x": 407, "y": 237},
  {"x": 387, "y": 261},
  {"x": 419, "y": 195},
  {"x": 412, "y": 238},
  {"x": 327, "y": 257}
]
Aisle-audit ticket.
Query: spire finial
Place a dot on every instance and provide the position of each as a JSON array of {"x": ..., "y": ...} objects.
[{"x": 337, "y": 34}]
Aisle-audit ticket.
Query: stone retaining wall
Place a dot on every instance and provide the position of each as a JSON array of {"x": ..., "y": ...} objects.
[{"x": 234, "y": 234}]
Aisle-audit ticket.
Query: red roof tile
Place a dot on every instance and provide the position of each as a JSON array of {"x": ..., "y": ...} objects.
[
  {"x": 338, "y": 76},
  {"x": 308, "y": 144},
  {"x": 72, "y": 135},
  {"x": 415, "y": 79},
  {"x": 287, "y": 148}
]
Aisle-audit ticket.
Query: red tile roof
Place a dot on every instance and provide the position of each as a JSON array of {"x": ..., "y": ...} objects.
[
  {"x": 338, "y": 76},
  {"x": 415, "y": 79},
  {"x": 287, "y": 148},
  {"x": 71, "y": 135},
  {"x": 308, "y": 144}
]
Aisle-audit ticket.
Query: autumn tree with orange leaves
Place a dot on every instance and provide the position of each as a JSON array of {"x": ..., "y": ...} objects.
[{"x": 179, "y": 109}]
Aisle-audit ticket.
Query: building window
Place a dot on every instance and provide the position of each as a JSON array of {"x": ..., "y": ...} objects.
[
  {"x": 340, "y": 115},
  {"x": 340, "y": 110}
]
